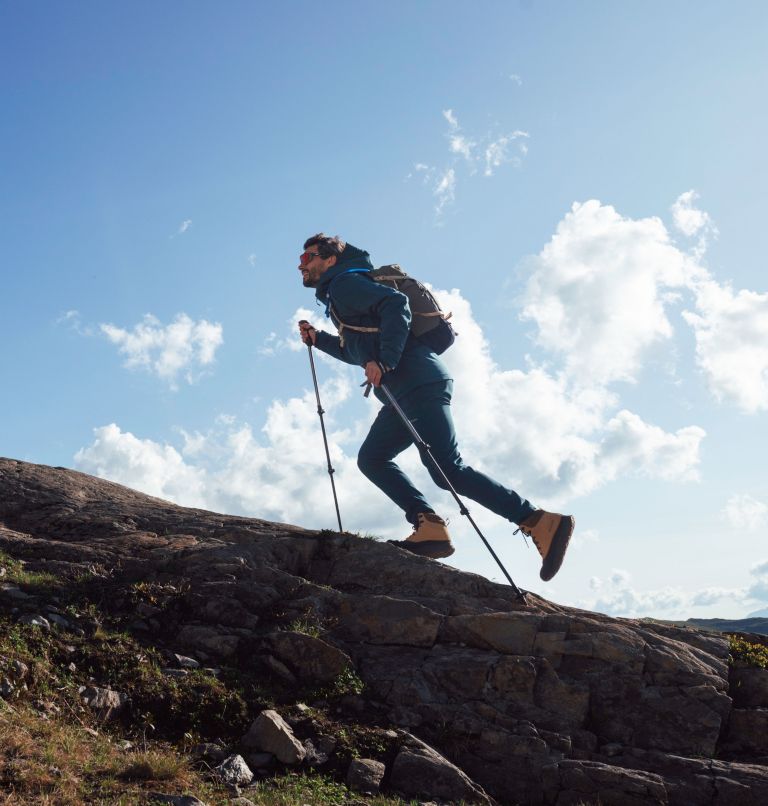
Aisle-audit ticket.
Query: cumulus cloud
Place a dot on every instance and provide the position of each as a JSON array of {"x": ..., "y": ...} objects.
[
  {"x": 182, "y": 347},
  {"x": 599, "y": 290},
  {"x": 731, "y": 331},
  {"x": 618, "y": 597},
  {"x": 154, "y": 468},
  {"x": 692, "y": 221},
  {"x": 745, "y": 512}
]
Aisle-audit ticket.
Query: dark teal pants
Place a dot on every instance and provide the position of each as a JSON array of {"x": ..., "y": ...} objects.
[{"x": 429, "y": 409}]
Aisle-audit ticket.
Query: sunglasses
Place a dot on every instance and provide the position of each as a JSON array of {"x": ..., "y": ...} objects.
[{"x": 305, "y": 257}]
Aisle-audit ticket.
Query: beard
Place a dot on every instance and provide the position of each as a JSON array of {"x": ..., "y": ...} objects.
[{"x": 308, "y": 280}]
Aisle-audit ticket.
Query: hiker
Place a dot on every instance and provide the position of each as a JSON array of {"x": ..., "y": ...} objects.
[{"x": 373, "y": 321}]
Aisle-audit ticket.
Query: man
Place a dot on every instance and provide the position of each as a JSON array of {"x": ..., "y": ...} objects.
[{"x": 373, "y": 322}]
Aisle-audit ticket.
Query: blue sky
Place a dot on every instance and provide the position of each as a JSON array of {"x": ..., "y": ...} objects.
[{"x": 581, "y": 183}]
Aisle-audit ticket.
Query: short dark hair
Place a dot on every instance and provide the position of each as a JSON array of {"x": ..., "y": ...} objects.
[{"x": 327, "y": 245}]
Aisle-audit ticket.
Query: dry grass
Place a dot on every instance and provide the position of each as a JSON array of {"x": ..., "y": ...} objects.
[{"x": 48, "y": 761}]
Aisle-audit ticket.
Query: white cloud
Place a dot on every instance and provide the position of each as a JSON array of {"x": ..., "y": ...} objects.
[
  {"x": 759, "y": 588},
  {"x": 184, "y": 346},
  {"x": 451, "y": 118},
  {"x": 497, "y": 153},
  {"x": 184, "y": 226},
  {"x": 618, "y": 597},
  {"x": 690, "y": 220},
  {"x": 731, "y": 330},
  {"x": 493, "y": 150},
  {"x": 516, "y": 79},
  {"x": 156, "y": 469},
  {"x": 445, "y": 190},
  {"x": 252, "y": 259},
  {"x": 73, "y": 321},
  {"x": 745, "y": 512},
  {"x": 597, "y": 291}
]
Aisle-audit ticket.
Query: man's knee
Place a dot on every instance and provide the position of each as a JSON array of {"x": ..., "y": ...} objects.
[
  {"x": 366, "y": 459},
  {"x": 449, "y": 474}
]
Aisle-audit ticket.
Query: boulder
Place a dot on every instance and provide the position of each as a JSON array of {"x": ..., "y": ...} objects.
[
  {"x": 365, "y": 775},
  {"x": 270, "y": 733}
]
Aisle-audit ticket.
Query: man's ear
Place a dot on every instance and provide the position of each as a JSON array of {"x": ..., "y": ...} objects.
[{"x": 332, "y": 258}]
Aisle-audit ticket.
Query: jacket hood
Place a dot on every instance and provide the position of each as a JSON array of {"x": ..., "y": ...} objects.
[{"x": 350, "y": 258}]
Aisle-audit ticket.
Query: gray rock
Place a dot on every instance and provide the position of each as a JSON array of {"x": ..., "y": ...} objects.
[
  {"x": 60, "y": 621},
  {"x": 174, "y": 800},
  {"x": 572, "y": 782},
  {"x": 748, "y": 731},
  {"x": 365, "y": 775},
  {"x": 270, "y": 733},
  {"x": 233, "y": 771},
  {"x": 749, "y": 687},
  {"x": 307, "y": 658},
  {"x": 15, "y": 593},
  {"x": 20, "y": 670},
  {"x": 185, "y": 662},
  {"x": 260, "y": 761},
  {"x": 35, "y": 621},
  {"x": 420, "y": 771},
  {"x": 213, "y": 641},
  {"x": 210, "y": 752},
  {"x": 105, "y": 702},
  {"x": 319, "y": 750}
]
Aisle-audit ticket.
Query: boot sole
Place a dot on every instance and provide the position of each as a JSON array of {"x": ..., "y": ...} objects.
[
  {"x": 434, "y": 549},
  {"x": 554, "y": 559}
]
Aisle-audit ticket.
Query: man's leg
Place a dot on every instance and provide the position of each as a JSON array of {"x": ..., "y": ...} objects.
[
  {"x": 387, "y": 438},
  {"x": 429, "y": 410}
]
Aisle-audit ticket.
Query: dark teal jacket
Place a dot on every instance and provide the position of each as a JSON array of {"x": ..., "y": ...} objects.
[{"x": 358, "y": 300}]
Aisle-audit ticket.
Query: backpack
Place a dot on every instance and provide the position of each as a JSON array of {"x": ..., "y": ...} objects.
[{"x": 428, "y": 323}]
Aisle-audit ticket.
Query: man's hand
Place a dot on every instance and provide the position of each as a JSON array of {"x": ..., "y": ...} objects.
[
  {"x": 307, "y": 332},
  {"x": 373, "y": 373}
]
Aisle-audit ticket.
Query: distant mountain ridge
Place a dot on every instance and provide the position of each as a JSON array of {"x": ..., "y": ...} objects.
[{"x": 757, "y": 625}]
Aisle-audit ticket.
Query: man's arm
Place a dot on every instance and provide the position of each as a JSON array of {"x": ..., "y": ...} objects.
[{"x": 388, "y": 306}]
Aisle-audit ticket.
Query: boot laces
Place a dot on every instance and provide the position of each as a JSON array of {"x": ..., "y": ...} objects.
[{"x": 525, "y": 533}]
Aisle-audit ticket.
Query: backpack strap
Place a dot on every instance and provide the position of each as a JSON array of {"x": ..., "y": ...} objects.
[
  {"x": 342, "y": 326},
  {"x": 330, "y": 310}
]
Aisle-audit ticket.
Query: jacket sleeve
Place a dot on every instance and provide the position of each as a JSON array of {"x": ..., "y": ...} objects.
[
  {"x": 388, "y": 306},
  {"x": 331, "y": 344}
]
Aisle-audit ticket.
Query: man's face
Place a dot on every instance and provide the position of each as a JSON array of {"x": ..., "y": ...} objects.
[{"x": 312, "y": 266}]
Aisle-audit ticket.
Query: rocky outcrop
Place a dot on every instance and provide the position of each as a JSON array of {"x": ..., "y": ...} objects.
[{"x": 518, "y": 702}]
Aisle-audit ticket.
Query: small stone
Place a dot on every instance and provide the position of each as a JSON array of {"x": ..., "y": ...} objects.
[
  {"x": 272, "y": 734},
  {"x": 19, "y": 669},
  {"x": 6, "y": 688},
  {"x": 175, "y": 673},
  {"x": 365, "y": 775},
  {"x": 36, "y": 621},
  {"x": 72, "y": 668},
  {"x": 210, "y": 751},
  {"x": 175, "y": 800},
  {"x": 185, "y": 662},
  {"x": 104, "y": 701},
  {"x": 15, "y": 593},
  {"x": 233, "y": 771}
]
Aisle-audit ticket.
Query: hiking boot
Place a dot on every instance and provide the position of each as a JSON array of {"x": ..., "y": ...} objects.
[
  {"x": 550, "y": 533},
  {"x": 430, "y": 539}
]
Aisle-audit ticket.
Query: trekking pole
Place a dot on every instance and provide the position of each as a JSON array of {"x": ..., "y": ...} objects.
[
  {"x": 422, "y": 446},
  {"x": 321, "y": 411}
]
